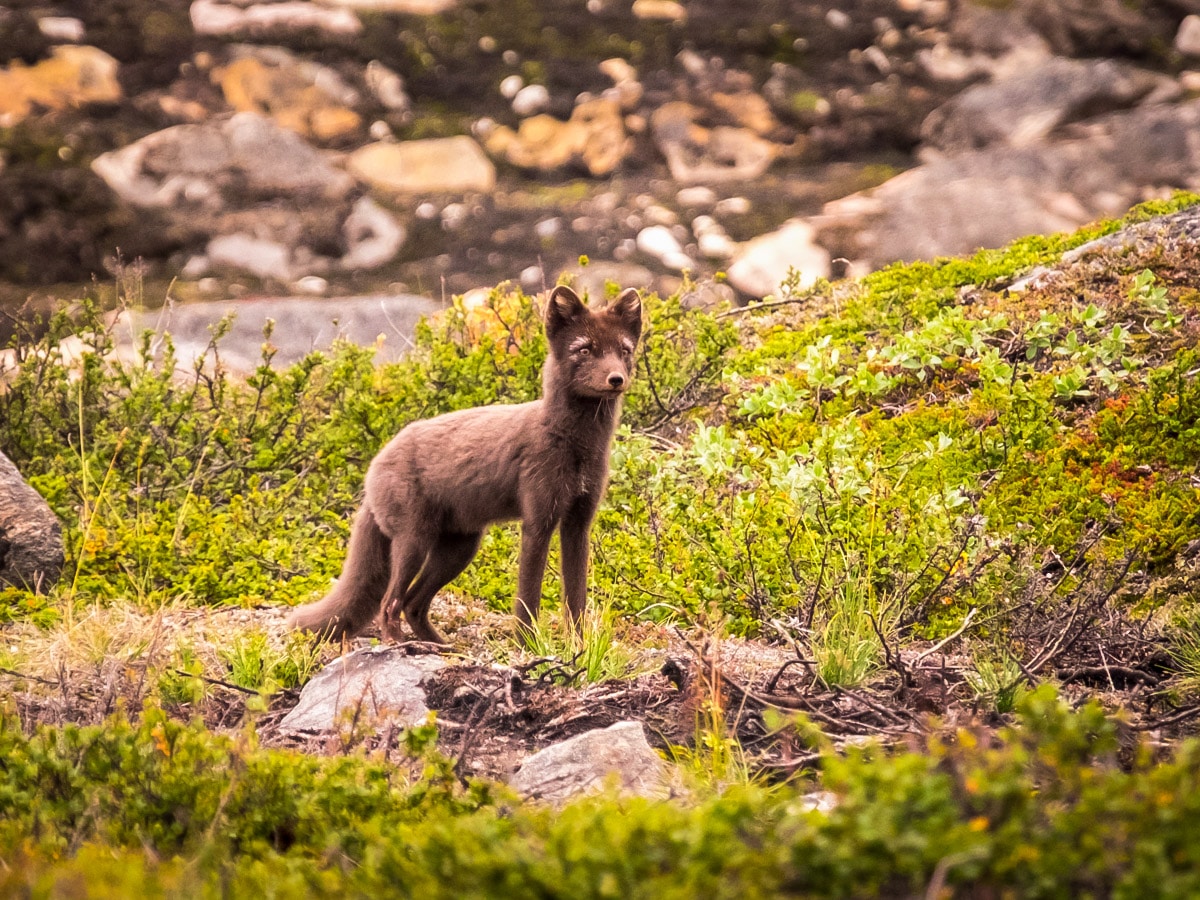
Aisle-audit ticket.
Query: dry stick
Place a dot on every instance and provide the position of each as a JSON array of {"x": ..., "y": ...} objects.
[
  {"x": 216, "y": 681},
  {"x": 942, "y": 643},
  {"x": 1173, "y": 719}
]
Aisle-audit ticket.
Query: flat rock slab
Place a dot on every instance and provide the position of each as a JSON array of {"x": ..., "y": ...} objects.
[
  {"x": 382, "y": 683},
  {"x": 302, "y": 325},
  {"x": 590, "y": 761}
]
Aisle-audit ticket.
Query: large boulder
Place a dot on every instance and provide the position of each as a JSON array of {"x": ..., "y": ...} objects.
[
  {"x": 765, "y": 262},
  {"x": 1028, "y": 107},
  {"x": 31, "y": 546},
  {"x": 990, "y": 197}
]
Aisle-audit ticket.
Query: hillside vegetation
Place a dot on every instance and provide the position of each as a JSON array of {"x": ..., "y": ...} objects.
[{"x": 933, "y": 464}]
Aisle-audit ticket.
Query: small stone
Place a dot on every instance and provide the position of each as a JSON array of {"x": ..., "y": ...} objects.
[
  {"x": 454, "y": 215},
  {"x": 838, "y": 20},
  {"x": 532, "y": 277},
  {"x": 511, "y": 86},
  {"x": 214, "y": 18},
  {"x": 619, "y": 755},
  {"x": 531, "y": 99},
  {"x": 662, "y": 10},
  {"x": 763, "y": 263},
  {"x": 387, "y": 87},
  {"x": 404, "y": 7},
  {"x": 548, "y": 228},
  {"x": 426, "y": 211},
  {"x": 732, "y": 206},
  {"x": 435, "y": 165},
  {"x": 698, "y": 195},
  {"x": 313, "y": 285},
  {"x": 619, "y": 70},
  {"x": 260, "y": 257},
  {"x": 381, "y": 131},
  {"x": 1187, "y": 39},
  {"x": 660, "y": 215},
  {"x": 62, "y": 28},
  {"x": 1190, "y": 81},
  {"x": 658, "y": 241},
  {"x": 377, "y": 684}
]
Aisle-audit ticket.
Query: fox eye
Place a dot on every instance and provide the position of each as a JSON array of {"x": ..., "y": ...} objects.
[{"x": 585, "y": 350}]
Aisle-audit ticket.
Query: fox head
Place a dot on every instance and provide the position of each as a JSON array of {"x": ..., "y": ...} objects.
[{"x": 591, "y": 352}]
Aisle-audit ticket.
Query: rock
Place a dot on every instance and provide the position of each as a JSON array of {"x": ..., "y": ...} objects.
[
  {"x": 984, "y": 41},
  {"x": 62, "y": 28},
  {"x": 309, "y": 99},
  {"x": 387, "y": 87},
  {"x": 696, "y": 154},
  {"x": 732, "y": 206},
  {"x": 510, "y": 86},
  {"x": 763, "y": 263},
  {"x": 453, "y": 165},
  {"x": 1024, "y": 108},
  {"x": 31, "y": 546},
  {"x": 531, "y": 99},
  {"x": 748, "y": 110},
  {"x": 215, "y": 18},
  {"x": 374, "y": 686},
  {"x": 659, "y": 242},
  {"x": 711, "y": 238},
  {"x": 260, "y": 257},
  {"x": 373, "y": 237},
  {"x": 259, "y": 198},
  {"x": 699, "y": 195},
  {"x": 708, "y": 295},
  {"x": 990, "y": 197},
  {"x": 618, "y": 755},
  {"x": 406, "y": 7},
  {"x": 594, "y": 138},
  {"x": 664, "y": 10},
  {"x": 302, "y": 325},
  {"x": 1100, "y": 27},
  {"x": 1187, "y": 39},
  {"x": 220, "y": 163},
  {"x": 71, "y": 77}
]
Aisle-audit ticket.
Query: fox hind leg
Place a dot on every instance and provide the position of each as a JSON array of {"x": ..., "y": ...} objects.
[
  {"x": 450, "y": 555},
  {"x": 407, "y": 557}
]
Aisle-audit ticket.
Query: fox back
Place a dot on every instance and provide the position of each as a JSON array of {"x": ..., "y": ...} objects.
[{"x": 434, "y": 488}]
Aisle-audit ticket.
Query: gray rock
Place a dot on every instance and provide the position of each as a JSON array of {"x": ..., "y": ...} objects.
[
  {"x": 220, "y": 164},
  {"x": 993, "y": 196},
  {"x": 586, "y": 763},
  {"x": 257, "y": 195},
  {"x": 31, "y": 546},
  {"x": 763, "y": 263},
  {"x": 375, "y": 685},
  {"x": 1027, "y": 107},
  {"x": 302, "y": 324}
]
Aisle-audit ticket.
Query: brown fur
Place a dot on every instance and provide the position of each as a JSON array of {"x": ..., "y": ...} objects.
[{"x": 434, "y": 488}]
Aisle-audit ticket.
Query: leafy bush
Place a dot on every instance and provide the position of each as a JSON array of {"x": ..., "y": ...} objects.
[{"x": 1042, "y": 810}]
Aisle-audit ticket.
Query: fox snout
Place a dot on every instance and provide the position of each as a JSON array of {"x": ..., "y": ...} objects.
[{"x": 616, "y": 380}]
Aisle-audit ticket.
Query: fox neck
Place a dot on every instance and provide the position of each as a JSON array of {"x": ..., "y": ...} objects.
[{"x": 585, "y": 417}]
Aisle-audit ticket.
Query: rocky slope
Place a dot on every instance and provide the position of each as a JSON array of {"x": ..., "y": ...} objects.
[{"x": 434, "y": 146}]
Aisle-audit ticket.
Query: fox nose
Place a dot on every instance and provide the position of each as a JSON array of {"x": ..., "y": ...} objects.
[{"x": 616, "y": 380}]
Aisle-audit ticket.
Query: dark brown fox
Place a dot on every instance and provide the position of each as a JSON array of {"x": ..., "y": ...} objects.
[{"x": 434, "y": 488}]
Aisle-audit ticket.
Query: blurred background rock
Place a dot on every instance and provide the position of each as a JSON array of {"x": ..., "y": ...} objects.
[{"x": 357, "y": 162}]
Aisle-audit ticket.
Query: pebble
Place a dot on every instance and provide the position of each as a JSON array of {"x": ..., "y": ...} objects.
[
  {"x": 838, "y": 20},
  {"x": 697, "y": 195},
  {"x": 426, "y": 211},
  {"x": 548, "y": 228},
  {"x": 732, "y": 206},
  {"x": 311, "y": 284},
  {"x": 454, "y": 215},
  {"x": 62, "y": 28},
  {"x": 664, "y": 10},
  {"x": 658, "y": 241},
  {"x": 660, "y": 215},
  {"x": 381, "y": 131},
  {"x": 532, "y": 277},
  {"x": 530, "y": 100},
  {"x": 511, "y": 86},
  {"x": 1187, "y": 40}
]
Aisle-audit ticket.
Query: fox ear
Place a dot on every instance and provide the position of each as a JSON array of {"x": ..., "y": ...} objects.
[
  {"x": 564, "y": 307},
  {"x": 628, "y": 309}
]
